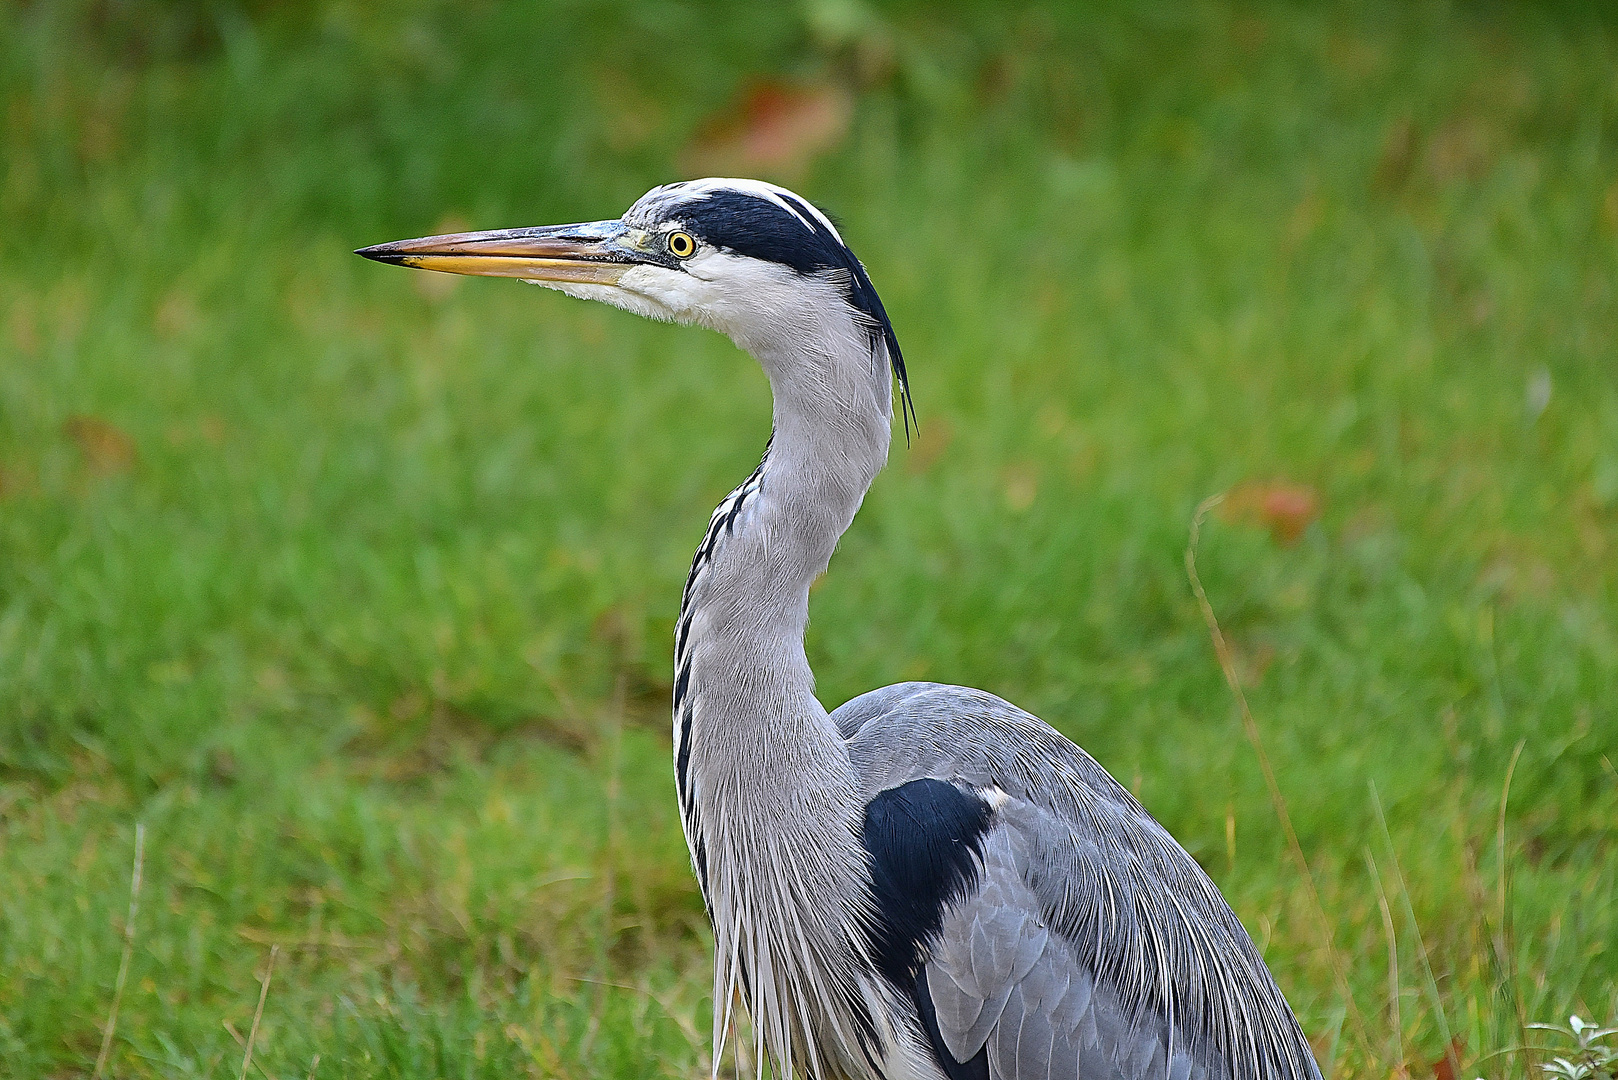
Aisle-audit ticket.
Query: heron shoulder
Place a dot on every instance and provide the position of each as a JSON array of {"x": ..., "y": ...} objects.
[
  {"x": 914, "y": 729},
  {"x": 1084, "y": 925}
]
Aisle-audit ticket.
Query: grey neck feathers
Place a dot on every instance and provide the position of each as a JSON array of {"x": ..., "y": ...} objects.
[{"x": 767, "y": 794}]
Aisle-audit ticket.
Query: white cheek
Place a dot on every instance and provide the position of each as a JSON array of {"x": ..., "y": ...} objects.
[
  {"x": 679, "y": 294},
  {"x": 762, "y": 306},
  {"x": 632, "y": 293},
  {"x": 742, "y": 297}
]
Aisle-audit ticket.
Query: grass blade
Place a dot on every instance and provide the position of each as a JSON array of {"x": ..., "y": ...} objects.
[
  {"x": 1395, "y": 1019},
  {"x": 1451, "y": 1055}
]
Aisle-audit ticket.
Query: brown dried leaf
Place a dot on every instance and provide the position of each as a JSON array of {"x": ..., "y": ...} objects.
[
  {"x": 773, "y": 127},
  {"x": 105, "y": 447}
]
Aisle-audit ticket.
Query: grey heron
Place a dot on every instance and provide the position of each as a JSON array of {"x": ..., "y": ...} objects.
[{"x": 927, "y": 882}]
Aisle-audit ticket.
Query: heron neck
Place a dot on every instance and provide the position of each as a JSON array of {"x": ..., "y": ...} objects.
[
  {"x": 772, "y": 537},
  {"x": 744, "y": 692}
]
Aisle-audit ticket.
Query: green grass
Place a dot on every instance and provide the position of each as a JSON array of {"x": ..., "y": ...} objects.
[{"x": 362, "y": 604}]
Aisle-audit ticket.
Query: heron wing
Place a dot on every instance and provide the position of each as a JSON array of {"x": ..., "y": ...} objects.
[{"x": 1090, "y": 944}]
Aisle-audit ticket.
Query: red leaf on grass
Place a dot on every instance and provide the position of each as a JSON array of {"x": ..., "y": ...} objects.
[
  {"x": 1444, "y": 1067},
  {"x": 1284, "y": 508},
  {"x": 772, "y": 127}
]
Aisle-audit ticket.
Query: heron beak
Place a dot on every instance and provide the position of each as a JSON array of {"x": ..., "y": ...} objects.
[{"x": 591, "y": 253}]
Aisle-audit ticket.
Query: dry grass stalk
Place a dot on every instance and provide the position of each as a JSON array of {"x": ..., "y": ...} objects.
[
  {"x": 1451, "y": 1047},
  {"x": 1227, "y": 664},
  {"x": 258, "y": 1013},
  {"x": 1503, "y": 939},
  {"x": 129, "y": 951}
]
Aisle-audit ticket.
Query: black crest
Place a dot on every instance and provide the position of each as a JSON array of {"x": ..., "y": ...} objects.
[{"x": 793, "y": 233}]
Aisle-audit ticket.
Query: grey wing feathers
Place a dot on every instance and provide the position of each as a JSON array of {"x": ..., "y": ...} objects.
[{"x": 1093, "y": 946}]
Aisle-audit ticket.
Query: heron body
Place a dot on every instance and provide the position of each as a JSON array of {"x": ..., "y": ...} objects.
[{"x": 927, "y": 882}]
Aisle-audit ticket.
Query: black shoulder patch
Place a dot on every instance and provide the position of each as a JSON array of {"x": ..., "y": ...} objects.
[{"x": 925, "y": 841}]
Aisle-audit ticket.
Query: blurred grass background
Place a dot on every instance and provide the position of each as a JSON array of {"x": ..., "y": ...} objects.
[{"x": 356, "y": 587}]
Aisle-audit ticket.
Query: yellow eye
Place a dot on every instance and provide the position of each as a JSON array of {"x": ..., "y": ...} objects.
[{"x": 681, "y": 245}]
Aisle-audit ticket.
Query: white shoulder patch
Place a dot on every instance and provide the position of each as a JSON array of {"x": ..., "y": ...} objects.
[{"x": 994, "y": 796}]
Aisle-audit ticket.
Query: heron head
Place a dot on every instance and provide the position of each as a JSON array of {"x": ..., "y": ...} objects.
[{"x": 749, "y": 259}]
